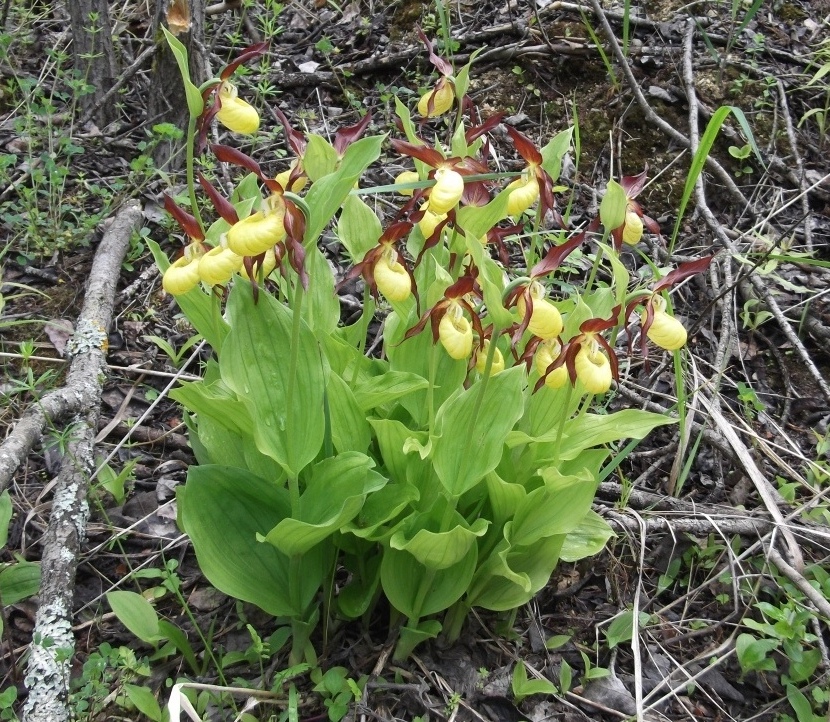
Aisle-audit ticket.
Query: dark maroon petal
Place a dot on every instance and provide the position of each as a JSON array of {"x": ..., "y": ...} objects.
[
  {"x": 612, "y": 357},
  {"x": 634, "y": 184},
  {"x": 222, "y": 205},
  {"x": 682, "y": 272},
  {"x": 556, "y": 255},
  {"x": 395, "y": 232},
  {"x": 595, "y": 325},
  {"x": 524, "y": 146},
  {"x": 464, "y": 285},
  {"x": 569, "y": 352},
  {"x": 251, "y": 52},
  {"x": 651, "y": 225},
  {"x": 227, "y": 154},
  {"x": 441, "y": 65},
  {"x": 478, "y": 130},
  {"x": 344, "y": 137},
  {"x": 188, "y": 222},
  {"x": 428, "y": 155},
  {"x": 296, "y": 140}
]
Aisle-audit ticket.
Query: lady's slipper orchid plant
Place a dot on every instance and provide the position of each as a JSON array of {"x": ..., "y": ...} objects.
[
  {"x": 305, "y": 448},
  {"x": 228, "y": 108},
  {"x": 636, "y": 221},
  {"x": 449, "y": 324},
  {"x": 538, "y": 315},
  {"x": 441, "y": 98},
  {"x": 384, "y": 267},
  {"x": 658, "y": 326},
  {"x": 588, "y": 356}
]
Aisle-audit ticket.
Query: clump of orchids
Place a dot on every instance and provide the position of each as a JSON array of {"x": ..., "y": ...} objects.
[
  {"x": 454, "y": 468},
  {"x": 443, "y": 188}
]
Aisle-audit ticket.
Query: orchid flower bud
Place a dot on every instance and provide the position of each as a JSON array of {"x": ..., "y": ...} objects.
[
  {"x": 259, "y": 231},
  {"x": 665, "y": 330},
  {"x": 391, "y": 277},
  {"x": 456, "y": 333},
  {"x": 234, "y": 113},
  {"x": 481, "y": 359},
  {"x": 447, "y": 191},
  {"x": 523, "y": 193},
  {"x": 218, "y": 265},
  {"x": 546, "y": 354},
  {"x": 593, "y": 369},
  {"x": 407, "y": 176},
  {"x": 633, "y": 228},
  {"x": 545, "y": 320},
  {"x": 183, "y": 273},
  {"x": 443, "y": 97}
]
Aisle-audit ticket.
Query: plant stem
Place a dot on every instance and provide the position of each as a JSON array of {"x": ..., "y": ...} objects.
[
  {"x": 191, "y": 179},
  {"x": 293, "y": 364}
]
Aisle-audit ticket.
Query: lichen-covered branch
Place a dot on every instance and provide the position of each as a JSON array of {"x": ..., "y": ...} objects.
[{"x": 47, "y": 676}]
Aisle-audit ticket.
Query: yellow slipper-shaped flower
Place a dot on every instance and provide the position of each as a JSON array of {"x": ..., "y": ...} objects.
[
  {"x": 593, "y": 369},
  {"x": 447, "y": 191},
  {"x": 259, "y": 231},
  {"x": 545, "y": 320},
  {"x": 456, "y": 333},
  {"x": 236, "y": 114},
  {"x": 218, "y": 265},
  {"x": 391, "y": 278},
  {"x": 546, "y": 354}
]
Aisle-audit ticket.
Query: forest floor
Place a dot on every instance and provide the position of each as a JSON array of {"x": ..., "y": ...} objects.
[{"x": 722, "y": 528}]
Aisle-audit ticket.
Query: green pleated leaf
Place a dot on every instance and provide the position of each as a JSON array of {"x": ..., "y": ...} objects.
[
  {"x": 381, "y": 508},
  {"x": 420, "y": 535},
  {"x": 19, "y": 580},
  {"x": 402, "y": 577},
  {"x": 334, "y": 496},
  {"x": 504, "y": 497},
  {"x": 588, "y": 538},
  {"x": 320, "y": 157},
  {"x": 553, "y": 509},
  {"x": 613, "y": 206},
  {"x": 512, "y": 575},
  {"x": 358, "y": 228},
  {"x": 391, "y": 437},
  {"x": 472, "y": 430},
  {"x": 256, "y": 365},
  {"x": 326, "y": 195},
  {"x": 223, "y": 510},
  {"x": 589, "y": 430},
  {"x": 388, "y": 386},
  {"x": 321, "y": 308},
  {"x": 350, "y": 431}
]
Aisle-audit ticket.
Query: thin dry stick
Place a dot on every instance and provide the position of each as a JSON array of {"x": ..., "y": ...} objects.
[
  {"x": 53, "y": 643},
  {"x": 762, "y": 486},
  {"x": 802, "y": 183}
]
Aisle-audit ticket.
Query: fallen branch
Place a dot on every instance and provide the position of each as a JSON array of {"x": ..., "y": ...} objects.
[{"x": 53, "y": 644}]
